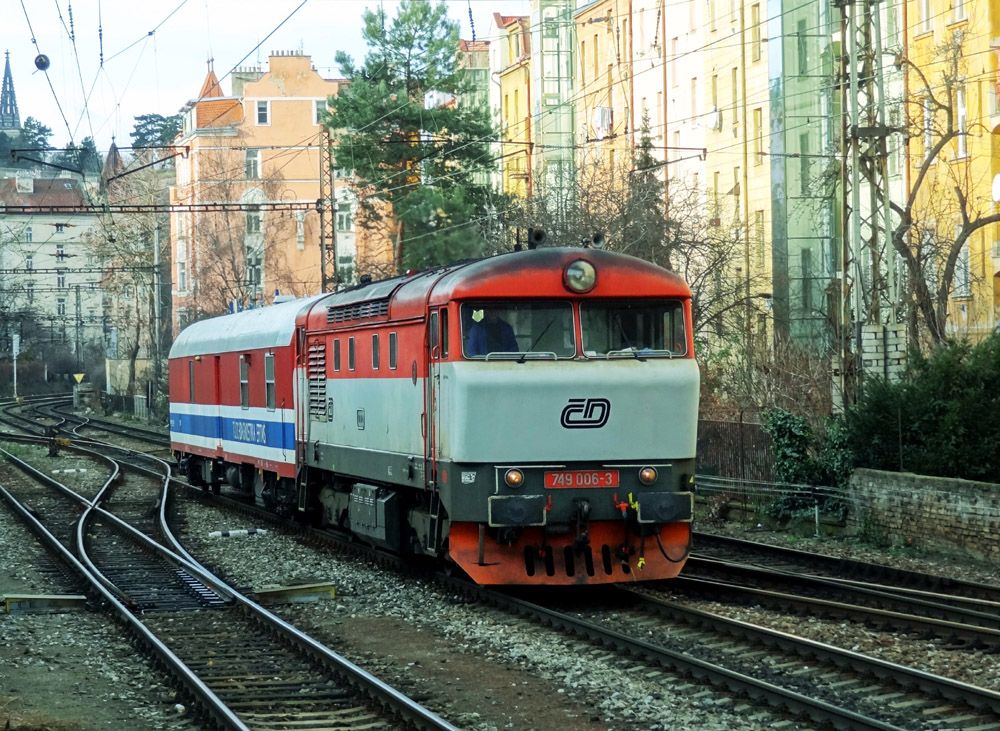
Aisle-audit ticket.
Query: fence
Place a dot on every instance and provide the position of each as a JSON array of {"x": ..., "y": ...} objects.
[
  {"x": 735, "y": 449},
  {"x": 137, "y": 406},
  {"x": 758, "y": 499}
]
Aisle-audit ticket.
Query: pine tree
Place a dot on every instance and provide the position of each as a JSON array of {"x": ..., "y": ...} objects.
[{"x": 417, "y": 152}]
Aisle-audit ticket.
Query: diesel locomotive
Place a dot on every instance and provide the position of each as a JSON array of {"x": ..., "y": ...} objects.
[{"x": 530, "y": 417}]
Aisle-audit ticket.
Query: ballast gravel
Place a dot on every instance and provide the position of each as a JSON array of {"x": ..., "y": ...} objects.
[{"x": 478, "y": 668}]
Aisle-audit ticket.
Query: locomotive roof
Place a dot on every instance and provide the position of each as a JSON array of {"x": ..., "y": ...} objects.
[
  {"x": 540, "y": 273},
  {"x": 262, "y": 327},
  {"x": 535, "y": 273}
]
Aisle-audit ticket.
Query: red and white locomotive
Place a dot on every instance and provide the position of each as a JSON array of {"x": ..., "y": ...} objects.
[{"x": 531, "y": 416}]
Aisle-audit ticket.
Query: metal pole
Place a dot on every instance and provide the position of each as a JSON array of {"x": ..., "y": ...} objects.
[{"x": 156, "y": 307}]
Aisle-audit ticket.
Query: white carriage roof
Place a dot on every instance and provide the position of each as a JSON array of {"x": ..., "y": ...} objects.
[{"x": 263, "y": 327}]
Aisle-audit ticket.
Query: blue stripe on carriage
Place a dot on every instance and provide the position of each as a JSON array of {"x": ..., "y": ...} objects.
[{"x": 248, "y": 431}]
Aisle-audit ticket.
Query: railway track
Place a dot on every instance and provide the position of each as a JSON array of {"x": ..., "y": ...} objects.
[
  {"x": 821, "y": 682},
  {"x": 246, "y": 667},
  {"x": 848, "y": 572},
  {"x": 822, "y": 597},
  {"x": 851, "y": 690}
]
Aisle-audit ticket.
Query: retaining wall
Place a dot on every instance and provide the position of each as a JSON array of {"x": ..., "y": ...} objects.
[{"x": 956, "y": 516}]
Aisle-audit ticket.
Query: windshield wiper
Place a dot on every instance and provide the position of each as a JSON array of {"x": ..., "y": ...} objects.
[{"x": 536, "y": 341}]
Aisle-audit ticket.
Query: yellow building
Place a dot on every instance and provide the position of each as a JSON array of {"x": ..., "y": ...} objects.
[
  {"x": 515, "y": 104},
  {"x": 954, "y": 152},
  {"x": 258, "y": 148},
  {"x": 733, "y": 113},
  {"x": 604, "y": 107}
]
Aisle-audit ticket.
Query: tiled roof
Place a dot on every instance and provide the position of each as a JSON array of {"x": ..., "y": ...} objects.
[{"x": 47, "y": 192}]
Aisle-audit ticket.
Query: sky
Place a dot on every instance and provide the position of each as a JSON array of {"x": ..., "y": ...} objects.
[{"x": 154, "y": 54}]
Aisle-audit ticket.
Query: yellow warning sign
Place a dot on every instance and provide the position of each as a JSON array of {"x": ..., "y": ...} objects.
[{"x": 79, "y": 377}]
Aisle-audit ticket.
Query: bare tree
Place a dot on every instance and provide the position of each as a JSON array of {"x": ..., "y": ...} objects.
[{"x": 941, "y": 211}]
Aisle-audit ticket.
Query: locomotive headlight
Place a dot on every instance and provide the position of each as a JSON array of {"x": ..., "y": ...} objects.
[
  {"x": 647, "y": 475},
  {"x": 580, "y": 276},
  {"x": 514, "y": 478}
]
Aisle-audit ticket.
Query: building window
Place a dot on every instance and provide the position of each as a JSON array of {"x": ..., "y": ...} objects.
[
  {"x": 928, "y": 131},
  {"x": 392, "y": 351},
  {"x": 191, "y": 381},
  {"x": 925, "y": 16},
  {"x": 60, "y": 252},
  {"x": 345, "y": 221},
  {"x": 27, "y": 234},
  {"x": 758, "y": 226},
  {"x": 29, "y": 262},
  {"x": 375, "y": 352},
  {"x": 60, "y": 279},
  {"x": 962, "y": 115},
  {"x": 758, "y": 136},
  {"x": 319, "y": 106},
  {"x": 694, "y": 99},
  {"x": 755, "y": 32},
  {"x": 269, "y": 394},
  {"x": 802, "y": 48},
  {"x": 807, "y": 303},
  {"x": 61, "y": 306},
  {"x": 253, "y": 219},
  {"x": 350, "y": 354},
  {"x": 30, "y": 291},
  {"x": 734, "y": 78},
  {"x": 60, "y": 228},
  {"x": 182, "y": 276},
  {"x": 336, "y": 355},
  {"x": 962, "y": 270},
  {"x": 252, "y": 165},
  {"x": 263, "y": 112},
  {"x": 803, "y": 164},
  {"x": 244, "y": 382},
  {"x": 957, "y": 10}
]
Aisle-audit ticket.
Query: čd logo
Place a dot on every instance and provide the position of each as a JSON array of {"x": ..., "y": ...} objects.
[{"x": 586, "y": 413}]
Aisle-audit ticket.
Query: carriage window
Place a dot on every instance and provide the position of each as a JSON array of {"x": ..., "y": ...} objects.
[
  {"x": 244, "y": 382},
  {"x": 392, "y": 351},
  {"x": 336, "y": 355},
  {"x": 444, "y": 333},
  {"x": 512, "y": 329},
  {"x": 191, "y": 381},
  {"x": 432, "y": 328},
  {"x": 375, "y": 352},
  {"x": 633, "y": 328},
  {"x": 269, "y": 395},
  {"x": 350, "y": 354}
]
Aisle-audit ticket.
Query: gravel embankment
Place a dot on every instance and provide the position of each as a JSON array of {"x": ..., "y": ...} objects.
[{"x": 480, "y": 669}]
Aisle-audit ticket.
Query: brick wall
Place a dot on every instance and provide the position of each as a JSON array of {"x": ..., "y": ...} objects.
[{"x": 956, "y": 516}]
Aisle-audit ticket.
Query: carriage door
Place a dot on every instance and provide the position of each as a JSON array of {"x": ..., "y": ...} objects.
[
  {"x": 217, "y": 426},
  {"x": 437, "y": 350}
]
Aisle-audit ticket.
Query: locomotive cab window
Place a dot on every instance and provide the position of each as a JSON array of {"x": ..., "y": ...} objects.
[
  {"x": 375, "y": 353},
  {"x": 628, "y": 328},
  {"x": 244, "y": 382},
  {"x": 350, "y": 354},
  {"x": 392, "y": 351},
  {"x": 191, "y": 381},
  {"x": 336, "y": 355},
  {"x": 269, "y": 395},
  {"x": 522, "y": 329}
]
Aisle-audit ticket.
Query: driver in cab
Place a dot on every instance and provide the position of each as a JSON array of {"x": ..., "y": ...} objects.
[{"x": 492, "y": 334}]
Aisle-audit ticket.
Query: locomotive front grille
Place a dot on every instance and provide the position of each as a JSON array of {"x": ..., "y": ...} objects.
[{"x": 317, "y": 380}]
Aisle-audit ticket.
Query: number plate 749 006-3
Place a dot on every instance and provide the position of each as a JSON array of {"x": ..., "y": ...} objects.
[{"x": 582, "y": 478}]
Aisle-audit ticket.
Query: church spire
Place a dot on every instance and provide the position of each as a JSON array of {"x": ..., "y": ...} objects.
[{"x": 9, "y": 117}]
